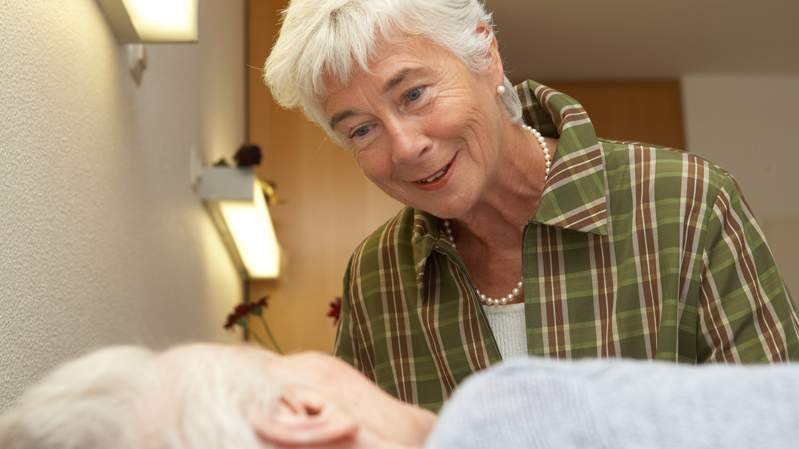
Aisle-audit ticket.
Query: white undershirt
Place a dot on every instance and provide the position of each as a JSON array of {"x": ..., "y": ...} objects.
[{"x": 510, "y": 332}]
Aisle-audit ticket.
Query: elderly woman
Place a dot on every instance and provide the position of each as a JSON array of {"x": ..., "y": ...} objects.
[{"x": 524, "y": 233}]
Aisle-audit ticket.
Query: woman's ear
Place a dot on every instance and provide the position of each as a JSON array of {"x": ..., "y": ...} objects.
[
  {"x": 495, "y": 67},
  {"x": 302, "y": 417}
]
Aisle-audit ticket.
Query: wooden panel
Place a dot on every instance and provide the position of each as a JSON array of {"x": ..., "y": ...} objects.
[
  {"x": 329, "y": 206},
  {"x": 646, "y": 111}
]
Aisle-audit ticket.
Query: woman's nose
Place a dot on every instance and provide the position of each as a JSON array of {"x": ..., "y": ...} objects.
[{"x": 408, "y": 142}]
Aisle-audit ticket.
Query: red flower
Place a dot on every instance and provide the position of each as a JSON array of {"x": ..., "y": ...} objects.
[
  {"x": 335, "y": 310},
  {"x": 239, "y": 314},
  {"x": 260, "y": 304}
]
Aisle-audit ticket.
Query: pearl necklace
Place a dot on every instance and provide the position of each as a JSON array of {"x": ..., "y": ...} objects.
[
  {"x": 544, "y": 147},
  {"x": 501, "y": 301}
]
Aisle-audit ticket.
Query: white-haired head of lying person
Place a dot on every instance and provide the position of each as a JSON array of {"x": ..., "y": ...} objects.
[
  {"x": 209, "y": 396},
  {"x": 239, "y": 397}
]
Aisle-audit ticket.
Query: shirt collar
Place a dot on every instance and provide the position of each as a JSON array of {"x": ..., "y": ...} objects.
[{"x": 575, "y": 195}]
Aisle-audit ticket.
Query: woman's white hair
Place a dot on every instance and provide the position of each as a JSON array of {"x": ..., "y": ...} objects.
[
  {"x": 322, "y": 38},
  {"x": 112, "y": 399}
]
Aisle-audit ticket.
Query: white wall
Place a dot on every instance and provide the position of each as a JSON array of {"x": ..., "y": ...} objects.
[
  {"x": 748, "y": 125},
  {"x": 101, "y": 238}
]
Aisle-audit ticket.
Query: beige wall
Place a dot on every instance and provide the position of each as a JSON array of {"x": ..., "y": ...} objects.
[
  {"x": 101, "y": 238},
  {"x": 747, "y": 124}
]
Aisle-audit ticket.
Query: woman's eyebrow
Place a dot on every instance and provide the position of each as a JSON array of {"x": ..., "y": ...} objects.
[
  {"x": 340, "y": 116},
  {"x": 400, "y": 77}
]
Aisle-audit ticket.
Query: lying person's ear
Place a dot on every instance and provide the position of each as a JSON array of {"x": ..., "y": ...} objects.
[{"x": 303, "y": 417}]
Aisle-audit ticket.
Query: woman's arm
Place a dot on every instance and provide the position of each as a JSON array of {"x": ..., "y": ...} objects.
[{"x": 745, "y": 311}]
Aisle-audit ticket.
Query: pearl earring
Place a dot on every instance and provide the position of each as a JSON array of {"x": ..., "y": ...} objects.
[{"x": 500, "y": 90}]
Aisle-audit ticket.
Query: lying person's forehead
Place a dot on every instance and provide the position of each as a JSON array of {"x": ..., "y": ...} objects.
[{"x": 303, "y": 367}]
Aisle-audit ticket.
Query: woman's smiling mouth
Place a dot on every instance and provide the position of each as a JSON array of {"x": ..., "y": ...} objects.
[{"x": 437, "y": 179}]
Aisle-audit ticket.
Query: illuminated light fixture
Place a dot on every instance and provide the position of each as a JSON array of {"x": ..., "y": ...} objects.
[
  {"x": 152, "y": 21},
  {"x": 235, "y": 200}
]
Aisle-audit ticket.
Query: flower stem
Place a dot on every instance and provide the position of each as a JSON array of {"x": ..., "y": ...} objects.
[
  {"x": 269, "y": 333},
  {"x": 260, "y": 340}
]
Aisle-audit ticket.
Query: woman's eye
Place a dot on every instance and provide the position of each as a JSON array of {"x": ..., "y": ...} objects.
[
  {"x": 414, "y": 94},
  {"x": 360, "y": 132}
]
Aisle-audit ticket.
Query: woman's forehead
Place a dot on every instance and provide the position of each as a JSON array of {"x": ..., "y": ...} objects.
[{"x": 391, "y": 62}]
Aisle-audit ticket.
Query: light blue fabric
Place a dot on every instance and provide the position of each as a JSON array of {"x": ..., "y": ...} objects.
[{"x": 616, "y": 404}]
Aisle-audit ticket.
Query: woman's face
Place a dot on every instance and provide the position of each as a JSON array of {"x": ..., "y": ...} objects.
[{"x": 422, "y": 125}]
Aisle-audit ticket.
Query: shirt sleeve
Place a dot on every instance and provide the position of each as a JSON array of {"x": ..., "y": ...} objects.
[
  {"x": 352, "y": 343},
  {"x": 745, "y": 311}
]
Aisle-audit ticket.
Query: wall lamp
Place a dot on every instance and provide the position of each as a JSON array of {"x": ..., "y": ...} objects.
[
  {"x": 152, "y": 21},
  {"x": 235, "y": 199},
  {"x": 136, "y": 22}
]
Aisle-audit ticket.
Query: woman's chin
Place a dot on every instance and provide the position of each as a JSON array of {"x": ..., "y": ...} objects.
[{"x": 446, "y": 212}]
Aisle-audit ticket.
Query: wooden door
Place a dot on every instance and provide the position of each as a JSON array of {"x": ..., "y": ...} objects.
[
  {"x": 646, "y": 111},
  {"x": 327, "y": 206}
]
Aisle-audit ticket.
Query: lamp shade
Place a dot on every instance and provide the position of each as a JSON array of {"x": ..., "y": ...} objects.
[
  {"x": 235, "y": 200},
  {"x": 150, "y": 21}
]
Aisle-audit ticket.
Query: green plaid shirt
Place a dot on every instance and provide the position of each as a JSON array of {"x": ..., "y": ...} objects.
[{"x": 635, "y": 251}]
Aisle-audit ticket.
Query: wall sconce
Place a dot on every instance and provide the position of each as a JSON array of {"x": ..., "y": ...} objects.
[
  {"x": 152, "y": 21},
  {"x": 235, "y": 199}
]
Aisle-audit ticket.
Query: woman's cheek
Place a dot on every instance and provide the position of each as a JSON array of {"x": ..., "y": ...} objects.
[
  {"x": 376, "y": 167},
  {"x": 450, "y": 114}
]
